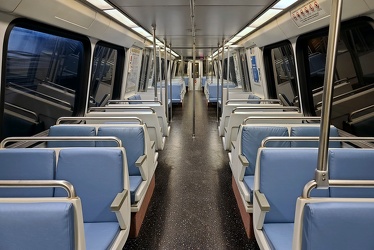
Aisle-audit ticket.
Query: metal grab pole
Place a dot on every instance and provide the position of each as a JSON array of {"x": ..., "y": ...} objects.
[
  {"x": 223, "y": 64},
  {"x": 218, "y": 75},
  {"x": 193, "y": 89},
  {"x": 154, "y": 61},
  {"x": 321, "y": 175},
  {"x": 171, "y": 89},
  {"x": 160, "y": 63},
  {"x": 228, "y": 74},
  {"x": 166, "y": 82}
]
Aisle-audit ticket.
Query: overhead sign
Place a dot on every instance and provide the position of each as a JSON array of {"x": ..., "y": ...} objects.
[{"x": 308, "y": 13}]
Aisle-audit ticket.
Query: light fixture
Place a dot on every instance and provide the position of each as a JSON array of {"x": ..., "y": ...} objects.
[
  {"x": 270, "y": 13},
  {"x": 245, "y": 31},
  {"x": 121, "y": 18},
  {"x": 101, "y": 4},
  {"x": 141, "y": 31},
  {"x": 282, "y": 4}
]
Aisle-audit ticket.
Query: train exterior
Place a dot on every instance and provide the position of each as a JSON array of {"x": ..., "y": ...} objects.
[{"x": 176, "y": 85}]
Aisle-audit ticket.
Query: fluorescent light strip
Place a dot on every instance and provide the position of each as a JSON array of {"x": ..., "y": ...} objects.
[
  {"x": 270, "y": 13},
  {"x": 121, "y": 18},
  {"x": 282, "y": 4},
  {"x": 101, "y": 4},
  {"x": 141, "y": 31},
  {"x": 245, "y": 31}
]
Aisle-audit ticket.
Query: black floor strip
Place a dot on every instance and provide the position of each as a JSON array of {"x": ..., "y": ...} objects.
[{"x": 193, "y": 205}]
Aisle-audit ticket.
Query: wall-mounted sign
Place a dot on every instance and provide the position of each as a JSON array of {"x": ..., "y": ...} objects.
[{"x": 308, "y": 13}]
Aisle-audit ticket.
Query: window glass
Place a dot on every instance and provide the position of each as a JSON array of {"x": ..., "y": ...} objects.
[{"x": 43, "y": 73}]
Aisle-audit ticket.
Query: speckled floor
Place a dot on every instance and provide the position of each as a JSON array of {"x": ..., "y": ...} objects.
[{"x": 193, "y": 205}]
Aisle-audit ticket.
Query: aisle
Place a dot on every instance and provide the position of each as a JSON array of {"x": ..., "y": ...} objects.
[{"x": 193, "y": 206}]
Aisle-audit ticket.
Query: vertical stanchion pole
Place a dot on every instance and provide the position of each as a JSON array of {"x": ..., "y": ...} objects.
[
  {"x": 166, "y": 81},
  {"x": 193, "y": 89},
  {"x": 218, "y": 76},
  {"x": 171, "y": 89},
  {"x": 159, "y": 62},
  {"x": 321, "y": 175},
  {"x": 154, "y": 60},
  {"x": 223, "y": 65},
  {"x": 228, "y": 74}
]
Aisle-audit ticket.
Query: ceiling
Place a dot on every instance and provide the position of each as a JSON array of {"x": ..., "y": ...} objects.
[{"x": 214, "y": 20}]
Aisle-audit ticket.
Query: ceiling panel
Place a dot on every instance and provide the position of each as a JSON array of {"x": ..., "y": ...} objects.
[{"x": 214, "y": 20}]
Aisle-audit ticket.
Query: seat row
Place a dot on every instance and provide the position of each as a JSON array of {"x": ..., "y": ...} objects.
[
  {"x": 339, "y": 217},
  {"x": 95, "y": 214}
]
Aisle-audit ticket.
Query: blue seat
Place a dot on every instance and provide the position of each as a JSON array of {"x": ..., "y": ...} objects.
[
  {"x": 351, "y": 164},
  {"x": 48, "y": 225},
  {"x": 98, "y": 175},
  {"x": 282, "y": 176},
  {"x": 27, "y": 164},
  {"x": 133, "y": 141},
  {"x": 71, "y": 130},
  {"x": 135, "y": 97},
  {"x": 338, "y": 225},
  {"x": 312, "y": 131},
  {"x": 254, "y": 97}
]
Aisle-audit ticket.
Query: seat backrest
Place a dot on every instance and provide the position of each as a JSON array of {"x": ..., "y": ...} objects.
[
  {"x": 351, "y": 164},
  {"x": 27, "y": 164},
  {"x": 251, "y": 139},
  {"x": 71, "y": 130},
  {"x": 312, "y": 131},
  {"x": 283, "y": 173},
  {"x": 42, "y": 225},
  {"x": 132, "y": 140},
  {"x": 97, "y": 175},
  {"x": 325, "y": 225},
  {"x": 254, "y": 97}
]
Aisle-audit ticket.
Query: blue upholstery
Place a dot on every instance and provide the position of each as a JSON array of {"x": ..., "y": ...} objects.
[
  {"x": 97, "y": 175},
  {"x": 213, "y": 90},
  {"x": 312, "y": 131},
  {"x": 27, "y": 164},
  {"x": 254, "y": 97},
  {"x": 176, "y": 92},
  {"x": 279, "y": 235},
  {"x": 71, "y": 131},
  {"x": 351, "y": 164},
  {"x": 252, "y": 137},
  {"x": 132, "y": 140},
  {"x": 283, "y": 175},
  {"x": 135, "y": 97},
  {"x": 338, "y": 225},
  {"x": 135, "y": 182},
  {"x": 37, "y": 226},
  {"x": 99, "y": 236},
  {"x": 249, "y": 184}
]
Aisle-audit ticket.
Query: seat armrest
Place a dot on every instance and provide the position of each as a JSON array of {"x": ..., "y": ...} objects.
[
  {"x": 262, "y": 206},
  {"x": 120, "y": 208},
  {"x": 140, "y": 163},
  {"x": 244, "y": 164},
  {"x": 232, "y": 145}
]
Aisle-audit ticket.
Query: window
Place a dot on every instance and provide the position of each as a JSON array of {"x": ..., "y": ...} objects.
[{"x": 44, "y": 71}]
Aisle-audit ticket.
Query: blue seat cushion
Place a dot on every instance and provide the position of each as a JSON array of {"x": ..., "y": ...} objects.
[
  {"x": 351, "y": 164},
  {"x": 135, "y": 181},
  {"x": 312, "y": 131},
  {"x": 100, "y": 236},
  {"x": 27, "y": 164},
  {"x": 132, "y": 140},
  {"x": 97, "y": 175},
  {"x": 252, "y": 137},
  {"x": 249, "y": 184},
  {"x": 61, "y": 130},
  {"x": 279, "y": 235},
  {"x": 283, "y": 175},
  {"x": 48, "y": 225},
  {"x": 338, "y": 225}
]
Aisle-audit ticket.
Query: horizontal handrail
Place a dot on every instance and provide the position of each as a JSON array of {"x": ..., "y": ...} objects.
[
  {"x": 281, "y": 108},
  {"x": 57, "y": 86},
  {"x": 109, "y": 108},
  {"x": 348, "y": 94},
  {"x": 253, "y": 100},
  {"x": 313, "y": 138},
  {"x": 338, "y": 183},
  {"x": 36, "y": 93},
  {"x": 121, "y": 101},
  {"x": 88, "y": 118},
  {"x": 358, "y": 111},
  {"x": 35, "y": 115},
  {"x": 314, "y": 118},
  {"x": 69, "y": 188},
  {"x": 61, "y": 138}
]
